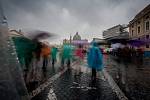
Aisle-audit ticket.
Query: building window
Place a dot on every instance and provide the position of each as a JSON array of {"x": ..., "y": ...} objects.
[
  {"x": 132, "y": 32},
  {"x": 138, "y": 38},
  {"x": 147, "y": 46},
  {"x": 139, "y": 22},
  {"x": 138, "y": 29},
  {"x": 147, "y": 36},
  {"x": 147, "y": 17},
  {"x": 132, "y": 26},
  {"x": 147, "y": 25}
]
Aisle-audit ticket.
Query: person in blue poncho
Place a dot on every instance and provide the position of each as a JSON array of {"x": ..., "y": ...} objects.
[{"x": 95, "y": 59}]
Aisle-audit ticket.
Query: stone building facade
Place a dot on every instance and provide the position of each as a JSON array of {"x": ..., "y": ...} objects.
[
  {"x": 139, "y": 27},
  {"x": 117, "y": 33}
]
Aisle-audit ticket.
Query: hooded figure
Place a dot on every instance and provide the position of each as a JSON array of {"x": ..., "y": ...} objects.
[
  {"x": 66, "y": 54},
  {"x": 95, "y": 59}
]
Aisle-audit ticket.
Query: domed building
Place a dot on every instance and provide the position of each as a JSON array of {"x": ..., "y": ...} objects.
[
  {"x": 78, "y": 41},
  {"x": 77, "y": 37}
]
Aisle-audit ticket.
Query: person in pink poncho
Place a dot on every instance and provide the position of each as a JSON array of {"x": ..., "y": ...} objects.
[{"x": 80, "y": 56}]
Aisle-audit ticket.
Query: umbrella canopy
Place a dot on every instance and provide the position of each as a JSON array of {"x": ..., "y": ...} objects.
[
  {"x": 147, "y": 41},
  {"x": 37, "y": 34},
  {"x": 116, "y": 45},
  {"x": 136, "y": 43}
]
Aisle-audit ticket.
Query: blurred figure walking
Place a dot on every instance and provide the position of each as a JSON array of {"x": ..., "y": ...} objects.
[
  {"x": 45, "y": 55},
  {"x": 95, "y": 59},
  {"x": 66, "y": 55},
  {"x": 126, "y": 55},
  {"x": 140, "y": 54},
  {"x": 53, "y": 55},
  {"x": 80, "y": 56},
  {"x": 37, "y": 52}
]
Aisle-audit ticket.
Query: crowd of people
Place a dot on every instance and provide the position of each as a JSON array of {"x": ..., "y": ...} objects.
[
  {"x": 129, "y": 54},
  {"x": 48, "y": 55},
  {"x": 37, "y": 58},
  {"x": 94, "y": 58}
]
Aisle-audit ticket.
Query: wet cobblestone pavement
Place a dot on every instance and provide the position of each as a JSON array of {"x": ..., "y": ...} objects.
[
  {"x": 133, "y": 79},
  {"x": 78, "y": 87},
  {"x": 37, "y": 76},
  {"x": 82, "y": 88}
]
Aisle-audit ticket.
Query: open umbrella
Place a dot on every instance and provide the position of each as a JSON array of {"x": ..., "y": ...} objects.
[
  {"x": 136, "y": 43},
  {"x": 37, "y": 34}
]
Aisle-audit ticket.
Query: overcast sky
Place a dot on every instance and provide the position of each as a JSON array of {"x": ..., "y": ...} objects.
[{"x": 65, "y": 17}]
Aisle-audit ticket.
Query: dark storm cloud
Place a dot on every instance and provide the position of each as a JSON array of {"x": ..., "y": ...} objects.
[{"x": 89, "y": 17}]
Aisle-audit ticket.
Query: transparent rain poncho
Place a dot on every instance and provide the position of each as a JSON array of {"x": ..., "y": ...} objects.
[
  {"x": 54, "y": 53},
  {"x": 67, "y": 52},
  {"x": 95, "y": 58}
]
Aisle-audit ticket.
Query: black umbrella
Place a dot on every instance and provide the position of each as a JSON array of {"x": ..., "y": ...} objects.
[{"x": 38, "y": 35}]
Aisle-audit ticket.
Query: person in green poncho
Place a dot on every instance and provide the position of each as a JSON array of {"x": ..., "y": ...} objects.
[
  {"x": 54, "y": 54},
  {"x": 66, "y": 54},
  {"x": 24, "y": 48}
]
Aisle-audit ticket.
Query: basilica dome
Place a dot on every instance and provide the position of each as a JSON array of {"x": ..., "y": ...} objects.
[{"x": 77, "y": 37}]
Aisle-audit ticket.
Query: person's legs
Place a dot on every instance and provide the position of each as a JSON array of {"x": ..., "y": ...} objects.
[
  {"x": 93, "y": 73},
  {"x": 68, "y": 63},
  {"x": 44, "y": 63},
  {"x": 62, "y": 62},
  {"x": 79, "y": 67},
  {"x": 27, "y": 64},
  {"x": 53, "y": 62}
]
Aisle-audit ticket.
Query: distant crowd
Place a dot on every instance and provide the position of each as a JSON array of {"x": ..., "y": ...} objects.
[{"x": 129, "y": 54}]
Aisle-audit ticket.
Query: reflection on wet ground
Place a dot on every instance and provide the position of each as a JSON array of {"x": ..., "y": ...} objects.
[
  {"x": 70, "y": 86},
  {"x": 36, "y": 76},
  {"x": 132, "y": 78}
]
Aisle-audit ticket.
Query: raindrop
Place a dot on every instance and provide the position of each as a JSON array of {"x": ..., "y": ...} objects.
[
  {"x": 13, "y": 53},
  {"x": 17, "y": 58}
]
